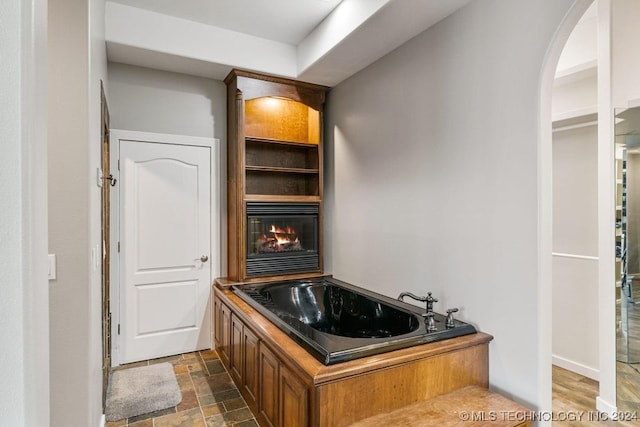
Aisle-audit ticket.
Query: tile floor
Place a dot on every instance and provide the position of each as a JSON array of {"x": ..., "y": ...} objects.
[{"x": 209, "y": 396}]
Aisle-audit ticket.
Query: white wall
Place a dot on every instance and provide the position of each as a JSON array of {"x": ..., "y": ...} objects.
[
  {"x": 575, "y": 98},
  {"x": 581, "y": 49},
  {"x": 24, "y": 364},
  {"x": 575, "y": 247},
  {"x": 12, "y": 403},
  {"x": 149, "y": 100},
  {"x": 77, "y": 62},
  {"x": 625, "y": 59},
  {"x": 433, "y": 177}
]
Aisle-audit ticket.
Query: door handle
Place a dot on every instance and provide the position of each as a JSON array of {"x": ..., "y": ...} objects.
[{"x": 204, "y": 258}]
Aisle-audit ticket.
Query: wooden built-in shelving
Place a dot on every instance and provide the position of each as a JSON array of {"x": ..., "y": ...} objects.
[
  {"x": 279, "y": 169},
  {"x": 274, "y": 150}
]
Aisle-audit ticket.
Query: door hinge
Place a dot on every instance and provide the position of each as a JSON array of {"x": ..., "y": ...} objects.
[
  {"x": 118, "y": 247},
  {"x": 118, "y": 164},
  {"x": 118, "y": 328}
]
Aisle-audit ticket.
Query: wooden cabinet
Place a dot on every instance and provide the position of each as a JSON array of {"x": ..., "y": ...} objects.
[
  {"x": 292, "y": 399},
  {"x": 268, "y": 400},
  {"x": 274, "y": 151},
  {"x": 283, "y": 396},
  {"x": 236, "y": 356},
  {"x": 237, "y": 347},
  {"x": 222, "y": 317},
  {"x": 281, "y": 169},
  {"x": 285, "y": 386},
  {"x": 271, "y": 389},
  {"x": 251, "y": 368}
]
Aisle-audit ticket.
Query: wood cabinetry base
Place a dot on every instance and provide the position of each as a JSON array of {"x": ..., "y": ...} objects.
[{"x": 285, "y": 386}]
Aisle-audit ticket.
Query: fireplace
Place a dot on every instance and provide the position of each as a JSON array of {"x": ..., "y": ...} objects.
[{"x": 282, "y": 238}]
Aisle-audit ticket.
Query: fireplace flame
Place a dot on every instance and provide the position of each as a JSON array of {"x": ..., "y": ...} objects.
[
  {"x": 278, "y": 230},
  {"x": 280, "y": 240}
]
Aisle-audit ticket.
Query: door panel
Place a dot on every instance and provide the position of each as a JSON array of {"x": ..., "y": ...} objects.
[
  {"x": 165, "y": 228},
  {"x": 182, "y": 297}
]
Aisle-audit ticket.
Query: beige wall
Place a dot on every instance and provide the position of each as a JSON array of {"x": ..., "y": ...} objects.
[
  {"x": 149, "y": 100},
  {"x": 77, "y": 62}
]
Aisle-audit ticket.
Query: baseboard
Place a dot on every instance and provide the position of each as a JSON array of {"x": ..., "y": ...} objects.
[
  {"x": 103, "y": 421},
  {"x": 576, "y": 367},
  {"x": 605, "y": 407}
]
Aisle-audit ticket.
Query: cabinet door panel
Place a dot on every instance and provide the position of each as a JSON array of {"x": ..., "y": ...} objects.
[
  {"x": 269, "y": 368},
  {"x": 235, "y": 350},
  {"x": 293, "y": 402},
  {"x": 251, "y": 361},
  {"x": 225, "y": 332},
  {"x": 216, "y": 322}
]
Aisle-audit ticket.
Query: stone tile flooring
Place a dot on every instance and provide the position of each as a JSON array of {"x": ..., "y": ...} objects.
[{"x": 209, "y": 396}]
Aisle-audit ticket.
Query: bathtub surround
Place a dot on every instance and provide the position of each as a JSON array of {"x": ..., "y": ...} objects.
[{"x": 284, "y": 384}]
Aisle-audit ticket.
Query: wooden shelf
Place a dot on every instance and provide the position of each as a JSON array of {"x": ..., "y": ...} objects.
[
  {"x": 279, "y": 141},
  {"x": 279, "y": 198},
  {"x": 279, "y": 169},
  {"x": 281, "y": 118},
  {"x": 282, "y": 157},
  {"x": 278, "y": 182}
]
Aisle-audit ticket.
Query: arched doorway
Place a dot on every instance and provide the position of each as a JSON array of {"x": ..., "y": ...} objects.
[{"x": 604, "y": 310}]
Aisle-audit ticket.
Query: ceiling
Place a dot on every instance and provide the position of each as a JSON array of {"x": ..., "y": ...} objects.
[
  {"x": 287, "y": 21},
  {"x": 320, "y": 41}
]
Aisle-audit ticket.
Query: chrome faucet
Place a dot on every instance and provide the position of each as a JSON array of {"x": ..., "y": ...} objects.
[
  {"x": 431, "y": 323},
  {"x": 429, "y": 300},
  {"x": 450, "y": 323}
]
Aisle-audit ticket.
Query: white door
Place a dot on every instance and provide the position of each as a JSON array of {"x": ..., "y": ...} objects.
[{"x": 165, "y": 232}]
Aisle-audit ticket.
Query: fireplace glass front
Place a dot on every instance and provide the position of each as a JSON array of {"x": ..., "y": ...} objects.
[{"x": 282, "y": 238}]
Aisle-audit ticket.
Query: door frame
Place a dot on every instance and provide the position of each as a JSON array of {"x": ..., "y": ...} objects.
[
  {"x": 116, "y": 135},
  {"x": 105, "y": 222}
]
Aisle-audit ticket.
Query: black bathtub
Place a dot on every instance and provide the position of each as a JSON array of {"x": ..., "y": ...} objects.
[{"x": 336, "y": 321}]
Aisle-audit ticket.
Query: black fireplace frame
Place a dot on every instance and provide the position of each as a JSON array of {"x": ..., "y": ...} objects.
[{"x": 268, "y": 264}]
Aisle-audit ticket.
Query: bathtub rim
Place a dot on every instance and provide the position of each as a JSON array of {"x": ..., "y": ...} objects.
[{"x": 374, "y": 346}]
